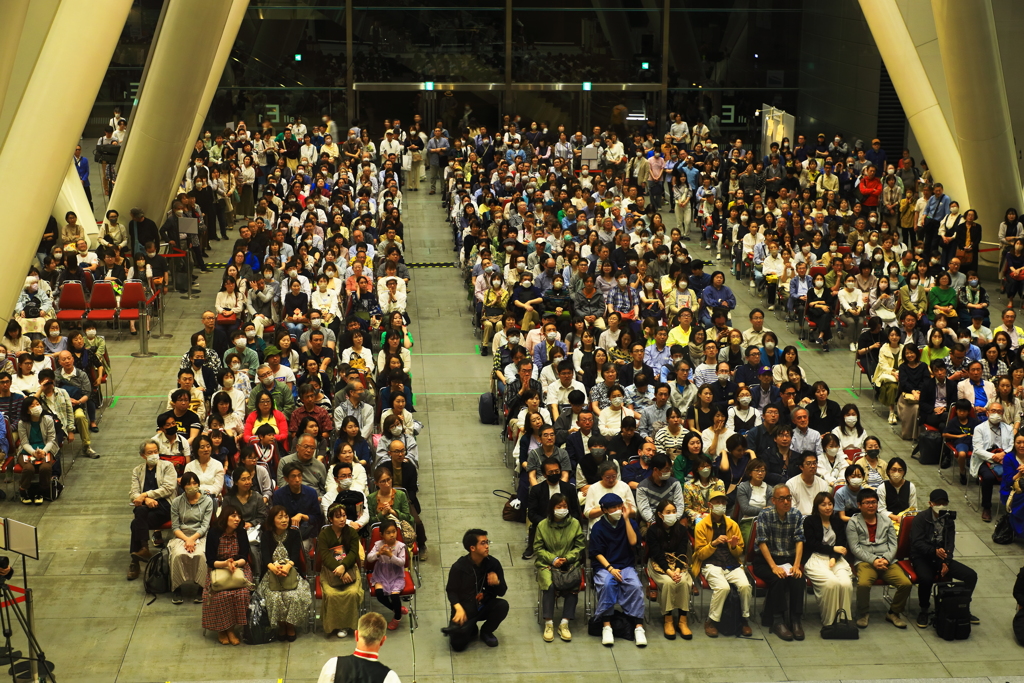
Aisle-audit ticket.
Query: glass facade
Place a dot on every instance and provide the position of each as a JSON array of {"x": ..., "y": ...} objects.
[{"x": 574, "y": 62}]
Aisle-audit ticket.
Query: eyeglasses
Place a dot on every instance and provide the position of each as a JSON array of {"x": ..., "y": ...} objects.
[
  {"x": 483, "y": 542},
  {"x": 783, "y": 498}
]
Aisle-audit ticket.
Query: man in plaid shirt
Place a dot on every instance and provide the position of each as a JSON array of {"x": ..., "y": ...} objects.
[{"x": 780, "y": 541}]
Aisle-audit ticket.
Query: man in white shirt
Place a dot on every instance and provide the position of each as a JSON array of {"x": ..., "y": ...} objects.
[
  {"x": 86, "y": 259},
  {"x": 557, "y": 395},
  {"x": 308, "y": 150},
  {"x": 806, "y": 485}
]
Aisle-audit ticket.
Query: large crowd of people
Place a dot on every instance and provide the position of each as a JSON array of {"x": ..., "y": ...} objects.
[{"x": 663, "y": 442}]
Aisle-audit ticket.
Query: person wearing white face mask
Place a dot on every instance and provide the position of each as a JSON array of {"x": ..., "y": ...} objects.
[
  {"x": 668, "y": 547},
  {"x": 833, "y": 463},
  {"x": 932, "y": 545},
  {"x": 820, "y": 304},
  {"x": 718, "y": 549},
  {"x": 896, "y": 495},
  {"x": 250, "y": 360},
  {"x": 991, "y": 441},
  {"x": 612, "y": 539},
  {"x": 153, "y": 484},
  {"x": 852, "y": 308},
  {"x": 557, "y": 546}
]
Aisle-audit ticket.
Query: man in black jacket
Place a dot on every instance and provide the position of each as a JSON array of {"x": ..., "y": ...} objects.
[
  {"x": 938, "y": 394},
  {"x": 932, "y": 538},
  {"x": 476, "y": 583}
]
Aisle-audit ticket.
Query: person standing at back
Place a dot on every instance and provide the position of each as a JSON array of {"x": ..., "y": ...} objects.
[{"x": 362, "y": 666}]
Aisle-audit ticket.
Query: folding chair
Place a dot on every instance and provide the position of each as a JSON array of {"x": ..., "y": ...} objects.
[
  {"x": 71, "y": 304},
  {"x": 132, "y": 295},
  {"x": 102, "y": 303}
]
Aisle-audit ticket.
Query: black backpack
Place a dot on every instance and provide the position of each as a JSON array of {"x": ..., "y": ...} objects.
[
  {"x": 257, "y": 627},
  {"x": 732, "y": 614},
  {"x": 157, "y": 577},
  {"x": 488, "y": 413},
  {"x": 952, "y": 611},
  {"x": 929, "y": 447}
]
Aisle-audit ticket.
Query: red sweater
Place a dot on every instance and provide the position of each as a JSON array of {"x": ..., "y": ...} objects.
[{"x": 871, "y": 189}]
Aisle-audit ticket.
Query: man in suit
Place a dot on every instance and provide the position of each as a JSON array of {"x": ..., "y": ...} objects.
[
  {"x": 938, "y": 394},
  {"x": 628, "y": 372},
  {"x": 540, "y": 494},
  {"x": 577, "y": 445}
]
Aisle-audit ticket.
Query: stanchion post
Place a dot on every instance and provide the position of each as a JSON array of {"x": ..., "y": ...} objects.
[
  {"x": 143, "y": 351},
  {"x": 188, "y": 271}
]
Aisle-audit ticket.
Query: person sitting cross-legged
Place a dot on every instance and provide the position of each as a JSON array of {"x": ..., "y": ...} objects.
[{"x": 612, "y": 539}]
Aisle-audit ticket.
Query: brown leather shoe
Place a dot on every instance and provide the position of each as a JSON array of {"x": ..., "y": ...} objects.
[
  {"x": 745, "y": 628},
  {"x": 986, "y": 515},
  {"x": 782, "y": 632},
  {"x": 798, "y": 630},
  {"x": 709, "y": 629},
  {"x": 133, "y": 570},
  {"x": 142, "y": 555}
]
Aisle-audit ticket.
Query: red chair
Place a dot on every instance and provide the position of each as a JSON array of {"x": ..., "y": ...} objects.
[
  {"x": 903, "y": 548},
  {"x": 816, "y": 271},
  {"x": 748, "y": 564},
  {"x": 409, "y": 589},
  {"x": 71, "y": 305},
  {"x": 132, "y": 295},
  {"x": 102, "y": 303}
]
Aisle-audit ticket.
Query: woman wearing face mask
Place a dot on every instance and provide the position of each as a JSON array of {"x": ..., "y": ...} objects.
[
  {"x": 846, "y": 496},
  {"x": 558, "y": 546},
  {"x": 771, "y": 353},
  {"x": 38, "y": 451},
  {"x": 896, "y": 495},
  {"x": 610, "y": 418},
  {"x": 558, "y": 302},
  {"x": 697, "y": 492},
  {"x": 886, "y": 376},
  {"x": 826, "y": 566},
  {"x": 875, "y": 468},
  {"x": 882, "y": 302},
  {"x": 668, "y": 565},
  {"x": 850, "y": 433},
  {"x": 190, "y": 521},
  {"x": 53, "y": 341},
  {"x": 495, "y": 303},
  {"x": 1014, "y": 282},
  {"x": 820, "y": 304},
  {"x": 742, "y": 417},
  {"x": 833, "y": 462}
]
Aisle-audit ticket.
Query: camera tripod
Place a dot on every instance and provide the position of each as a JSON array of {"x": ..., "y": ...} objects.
[{"x": 22, "y": 668}]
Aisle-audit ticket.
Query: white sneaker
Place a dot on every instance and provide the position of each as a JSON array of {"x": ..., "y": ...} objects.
[
  {"x": 606, "y": 636},
  {"x": 641, "y": 636},
  {"x": 853, "y": 346},
  {"x": 772, "y": 307},
  {"x": 342, "y": 633},
  {"x": 752, "y": 285}
]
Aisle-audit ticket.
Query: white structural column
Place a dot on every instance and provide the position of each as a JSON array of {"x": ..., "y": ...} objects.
[
  {"x": 180, "y": 62},
  {"x": 67, "y": 76},
  {"x": 227, "y": 41},
  {"x": 966, "y": 30},
  {"x": 13, "y": 12},
  {"x": 916, "y": 95}
]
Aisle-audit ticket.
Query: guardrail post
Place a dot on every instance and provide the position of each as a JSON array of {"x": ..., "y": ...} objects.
[{"x": 143, "y": 351}]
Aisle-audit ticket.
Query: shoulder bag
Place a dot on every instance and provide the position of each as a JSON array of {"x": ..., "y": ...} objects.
[
  {"x": 285, "y": 583},
  {"x": 224, "y": 580},
  {"x": 566, "y": 580}
]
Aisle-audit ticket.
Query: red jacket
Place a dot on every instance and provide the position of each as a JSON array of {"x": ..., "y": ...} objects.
[{"x": 871, "y": 188}]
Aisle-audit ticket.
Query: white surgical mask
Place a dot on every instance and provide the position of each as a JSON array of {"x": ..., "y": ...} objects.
[
  {"x": 670, "y": 518},
  {"x": 938, "y": 508},
  {"x": 723, "y": 377},
  {"x": 705, "y": 471},
  {"x": 856, "y": 481},
  {"x": 36, "y": 410},
  {"x": 236, "y": 366},
  {"x": 744, "y": 401},
  {"x": 316, "y": 322},
  {"x": 560, "y": 513},
  {"x": 769, "y": 346},
  {"x": 152, "y": 458},
  {"x": 91, "y": 334},
  {"x": 623, "y": 281},
  {"x": 718, "y": 509},
  {"x": 850, "y": 420},
  {"x": 995, "y": 418},
  {"x": 615, "y": 516},
  {"x": 552, "y": 336},
  {"x": 250, "y": 334},
  {"x": 345, "y": 484},
  {"x": 617, "y": 401},
  {"x": 832, "y": 451}
]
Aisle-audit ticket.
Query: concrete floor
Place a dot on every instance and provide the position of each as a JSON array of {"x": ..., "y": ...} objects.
[{"x": 97, "y": 627}]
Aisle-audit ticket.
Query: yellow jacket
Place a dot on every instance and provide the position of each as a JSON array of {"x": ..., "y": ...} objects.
[{"x": 703, "y": 535}]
